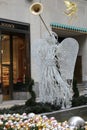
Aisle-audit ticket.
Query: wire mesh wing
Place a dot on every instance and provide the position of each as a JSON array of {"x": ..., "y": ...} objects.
[{"x": 66, "y": 56}]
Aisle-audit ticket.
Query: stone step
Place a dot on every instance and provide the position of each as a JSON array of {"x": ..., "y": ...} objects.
[{"x": 81, "y": 88}]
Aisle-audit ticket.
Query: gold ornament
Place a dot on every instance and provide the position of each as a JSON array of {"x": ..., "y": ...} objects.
[
  {"x": 71, "y": 10},
  {"x": 71, "y": 7}
]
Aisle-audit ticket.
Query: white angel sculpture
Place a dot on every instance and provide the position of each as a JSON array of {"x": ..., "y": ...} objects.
[{"x": 57, "y": 67}]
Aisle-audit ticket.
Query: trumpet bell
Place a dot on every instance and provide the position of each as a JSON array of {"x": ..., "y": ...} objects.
[{"x": 36, "y": 8}]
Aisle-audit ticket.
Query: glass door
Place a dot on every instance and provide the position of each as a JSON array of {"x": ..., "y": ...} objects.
[
  {"x": 5, "y": 66},
  {"x": 14, "y": 64},
  {"x": 5, "y": 82}
]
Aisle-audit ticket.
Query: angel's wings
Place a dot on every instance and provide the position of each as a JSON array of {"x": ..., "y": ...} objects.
[{"x": 67, "y": 53}]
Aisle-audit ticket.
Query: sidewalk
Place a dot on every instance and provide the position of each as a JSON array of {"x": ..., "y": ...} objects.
[{"x": 10, "y": 103}]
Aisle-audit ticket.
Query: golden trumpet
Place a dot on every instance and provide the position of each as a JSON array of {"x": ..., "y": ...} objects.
[{"x": 36, "y": 9}]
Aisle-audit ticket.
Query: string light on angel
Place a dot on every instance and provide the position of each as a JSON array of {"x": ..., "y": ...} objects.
[
  {"x": 71, "y": 9},
  {"x": 56, "y": 63}
]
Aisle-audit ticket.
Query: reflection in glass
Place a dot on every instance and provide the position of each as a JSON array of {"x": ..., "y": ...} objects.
[{"x": 13, "y": 64}]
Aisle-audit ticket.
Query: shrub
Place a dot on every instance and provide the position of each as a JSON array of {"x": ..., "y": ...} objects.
[
  {"x": 82, "y": 100},
  {"x": 31, "y": 101},
  {"x": 75, "y": 89}
]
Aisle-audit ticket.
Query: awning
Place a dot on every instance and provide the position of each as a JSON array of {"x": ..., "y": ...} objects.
[{"x": 71, "y": 30}]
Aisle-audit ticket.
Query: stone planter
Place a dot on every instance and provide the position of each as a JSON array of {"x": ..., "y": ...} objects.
[{"x": 66, "y": 114}]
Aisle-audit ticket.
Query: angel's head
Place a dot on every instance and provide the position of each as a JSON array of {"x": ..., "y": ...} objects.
[{"x": 51, "y": 39}]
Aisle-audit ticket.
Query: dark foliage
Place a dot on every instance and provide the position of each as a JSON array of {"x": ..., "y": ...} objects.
[
  {"x": 19, "y": 87},
  {"x": 79, "y": 101},
  {"x": 37, "y": 109},
  {"x": 31, "y": 101},
  {"x": 75, "y": 89},
  {"x": 81, "y": 129}
]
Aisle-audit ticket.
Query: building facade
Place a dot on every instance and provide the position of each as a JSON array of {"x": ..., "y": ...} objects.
[{"x": 19, "y": 29}]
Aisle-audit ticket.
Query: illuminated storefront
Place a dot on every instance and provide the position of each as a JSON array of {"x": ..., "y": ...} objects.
[{"x": 14, "y": 57}]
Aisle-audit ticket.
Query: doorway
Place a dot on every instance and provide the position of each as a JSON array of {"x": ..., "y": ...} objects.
[
  {"x": 13, "y": 63},
  {"x": 78, "y": 70},
  {"x": 5, "y": 81}
]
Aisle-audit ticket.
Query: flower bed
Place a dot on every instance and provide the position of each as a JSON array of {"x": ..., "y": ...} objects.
[{"x": 31, "y": 122}]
